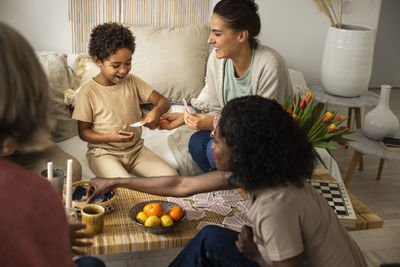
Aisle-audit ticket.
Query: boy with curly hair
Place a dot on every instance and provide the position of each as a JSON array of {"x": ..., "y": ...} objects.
[{"x": 110, "y": 101}]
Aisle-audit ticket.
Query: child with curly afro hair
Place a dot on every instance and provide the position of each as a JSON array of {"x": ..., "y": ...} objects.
[{"x": 111, "y": 101}]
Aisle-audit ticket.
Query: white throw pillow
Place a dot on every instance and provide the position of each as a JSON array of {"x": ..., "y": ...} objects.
[{"x": 60, "y": 78}]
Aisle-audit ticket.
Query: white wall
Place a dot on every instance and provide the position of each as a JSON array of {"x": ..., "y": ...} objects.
[
  {"x": 297, "y": 30},
  {"x": 293, "y": 27},
  {"x": 386, "y": 69},
  {"x": 43, "y": 22}
]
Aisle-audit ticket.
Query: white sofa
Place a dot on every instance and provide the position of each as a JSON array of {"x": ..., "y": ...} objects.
[{"x": 171, "y": 60}]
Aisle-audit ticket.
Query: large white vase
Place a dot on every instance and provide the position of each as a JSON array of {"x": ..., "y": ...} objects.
[
  {"x": 381, "y": 122},
  {"x": 347, "y": 60}
]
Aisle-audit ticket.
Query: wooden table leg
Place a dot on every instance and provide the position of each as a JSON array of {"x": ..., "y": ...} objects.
[
  {"x": 357, "y": 112},
  {"x": 381, "y": 162},
  {"x": 353, "y": 163}
]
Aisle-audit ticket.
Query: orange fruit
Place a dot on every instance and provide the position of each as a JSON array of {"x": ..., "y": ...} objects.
[
  {"x": 153, "y": 209},
  {"x": 176, "y": 213}
]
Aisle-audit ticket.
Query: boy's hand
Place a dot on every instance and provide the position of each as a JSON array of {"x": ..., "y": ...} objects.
[
  {"x": 121, "y": 135},
  {"x": 153, "y": 119},
  {"x": 171, "y": 121}
]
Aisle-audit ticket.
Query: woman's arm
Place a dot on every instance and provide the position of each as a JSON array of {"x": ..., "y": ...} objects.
[
  {"x": 87, "y": 134},
  {"x": 162, "y": 105},
  {"x": 176, "y": 186}
]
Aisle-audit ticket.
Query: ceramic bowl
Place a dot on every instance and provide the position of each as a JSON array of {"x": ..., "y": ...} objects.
[{"x": 160, "y": 229}]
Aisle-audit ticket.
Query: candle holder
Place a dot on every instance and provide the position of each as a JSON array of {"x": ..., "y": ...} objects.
[{"x": 71, "y": 215}]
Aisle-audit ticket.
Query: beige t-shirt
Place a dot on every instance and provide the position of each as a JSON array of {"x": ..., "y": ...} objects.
[
  {"x": 288, "y": 221},
  {"x": 110, "y": 107}
]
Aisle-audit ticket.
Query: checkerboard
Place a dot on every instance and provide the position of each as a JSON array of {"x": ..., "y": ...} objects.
[{"x": 336, "y": 194}]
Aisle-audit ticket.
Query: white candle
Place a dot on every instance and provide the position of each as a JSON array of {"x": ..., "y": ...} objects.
[
  {"x": 50, "y": 171},
  {"x": 68, "y": 194}
]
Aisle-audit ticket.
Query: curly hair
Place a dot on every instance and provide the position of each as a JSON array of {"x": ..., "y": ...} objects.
[
  {"x": 241, "y": 15},
  {"x": 107, "y": 38},
  {"x": 268, "y": 148}
]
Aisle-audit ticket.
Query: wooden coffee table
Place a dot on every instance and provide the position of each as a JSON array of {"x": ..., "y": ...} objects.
[{"x": 121, "y": 235}]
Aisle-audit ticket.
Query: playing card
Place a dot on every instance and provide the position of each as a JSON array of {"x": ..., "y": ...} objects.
[
  {"x": 201, "y": 197},
  {"x": 242, "y": 216},
  {"x": 176, "y": 200},
  {"x": 194, "y": 214},
  {"x": 225, "y": 193},
  {"x": 233, "y": 221},
  {"x": 201, "y": 204},
  {"x": 220, "y": 209},
  {"x": 186, "y": 105},
  {"x": 138, "y": 124}
]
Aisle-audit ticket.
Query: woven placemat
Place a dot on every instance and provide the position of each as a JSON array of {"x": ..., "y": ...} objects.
[{"x": 121, "y": 235}]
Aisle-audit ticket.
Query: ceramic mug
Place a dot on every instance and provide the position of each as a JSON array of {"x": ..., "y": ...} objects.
[
  {"x": 58, "y": 179},
  {"x": 93, "y": 217}
]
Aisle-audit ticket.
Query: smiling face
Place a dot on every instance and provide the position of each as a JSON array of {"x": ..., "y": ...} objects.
[
  {"x": 115, "y": 68},
  {"x": 221, "y": 152},
  {"x": 225, "y": 41}
]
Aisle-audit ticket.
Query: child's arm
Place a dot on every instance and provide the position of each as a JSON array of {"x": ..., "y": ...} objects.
[
  {"x": 161, "y": 107},
  {"x": 87, "y": 134}
]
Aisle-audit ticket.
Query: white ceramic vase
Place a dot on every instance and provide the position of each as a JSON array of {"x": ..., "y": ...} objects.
[
  {"x": 381, "y": 122},
  {"x": 347, "y": 60}
]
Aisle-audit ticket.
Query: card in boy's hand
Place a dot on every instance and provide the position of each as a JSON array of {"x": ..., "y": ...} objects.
[{"x": 138, "y": 124}]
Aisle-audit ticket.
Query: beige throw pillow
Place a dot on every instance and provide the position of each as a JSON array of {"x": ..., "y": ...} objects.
[
  {"x": 172, "y": 60},
  {"x": 60, "y": 78}
]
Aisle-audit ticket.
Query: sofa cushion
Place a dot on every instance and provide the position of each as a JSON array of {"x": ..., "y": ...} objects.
[
  {"x": 172, "y": 60},
  {"x": 60, "y": 78}
]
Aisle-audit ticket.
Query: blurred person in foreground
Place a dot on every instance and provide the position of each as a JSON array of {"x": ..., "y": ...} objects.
[{"x": 34, "y": 227}]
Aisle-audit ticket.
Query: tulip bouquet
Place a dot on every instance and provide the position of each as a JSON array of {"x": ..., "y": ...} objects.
[{"x": 321, "y": 126}]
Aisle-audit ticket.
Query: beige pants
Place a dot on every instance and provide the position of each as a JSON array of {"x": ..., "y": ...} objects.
[
  {"x": 37, "y": 161},
  {"x": 112, "y": 164}
]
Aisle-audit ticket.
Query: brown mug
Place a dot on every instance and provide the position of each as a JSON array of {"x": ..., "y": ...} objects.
[{"x": 93, "y": 217}]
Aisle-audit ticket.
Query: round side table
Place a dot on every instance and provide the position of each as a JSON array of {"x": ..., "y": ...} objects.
[
  {"x": 363, "y": 145},
  {"x": 366, "y": 99}
]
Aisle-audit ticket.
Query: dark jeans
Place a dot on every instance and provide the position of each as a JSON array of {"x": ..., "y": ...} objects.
[
  {"x": 201, "y": 151},
  {"x": 89, "y": 261},
  {"x": 213, "y": 246}
]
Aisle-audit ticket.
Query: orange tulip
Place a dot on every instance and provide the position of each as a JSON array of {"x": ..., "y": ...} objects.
[
  {"x": 308, "y": 96},
  {"x": 289, "y": 111},
  {"x": 343, "y": 128},
  {"x": 339, "y": 118},
  {"x": 303, "y": 104},
  {"x": 331, "y": 128},
  {"x": 328, "y": 117},
  {"x": 294, "y": 115}
]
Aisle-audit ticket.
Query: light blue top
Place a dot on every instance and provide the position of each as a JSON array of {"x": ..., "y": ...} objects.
[{"x": 236, "y": 87}]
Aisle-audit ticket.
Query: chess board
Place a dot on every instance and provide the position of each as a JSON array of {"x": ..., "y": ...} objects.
[{"x": 336, "y": 194}]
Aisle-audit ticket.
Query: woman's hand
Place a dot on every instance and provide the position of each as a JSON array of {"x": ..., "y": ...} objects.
[
  {"x": 171, "y": 121},
  {"x": 98, "y": 187},
  {"x": 245, "y": 244},
  {"x": 198, "y": 121},
  {"x": 76, "y": 237}
]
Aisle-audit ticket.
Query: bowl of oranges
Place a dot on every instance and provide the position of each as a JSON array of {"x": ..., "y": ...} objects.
[{"x": 157, "y": 216}]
